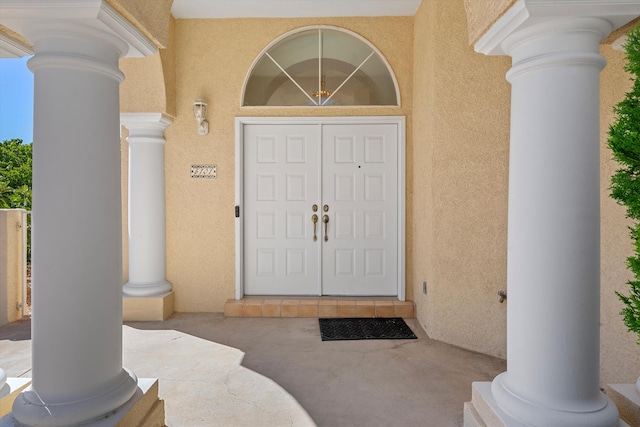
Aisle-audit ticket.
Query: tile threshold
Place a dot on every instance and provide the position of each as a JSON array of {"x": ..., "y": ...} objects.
[{"x": 310, "y": 307}]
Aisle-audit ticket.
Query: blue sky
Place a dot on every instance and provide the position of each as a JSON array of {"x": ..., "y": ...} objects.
[{"x": 16, "y": 100}]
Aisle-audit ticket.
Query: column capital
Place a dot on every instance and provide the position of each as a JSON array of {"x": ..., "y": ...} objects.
[
  {"x": 545, "y": 14},
  {"x": 140, "y": 124},
  {"x": 556, "y": 43},
  {"x": 75, "y": 46},
  {"x": 145, "y": 128},
  {"x": 22, "y": 16}
]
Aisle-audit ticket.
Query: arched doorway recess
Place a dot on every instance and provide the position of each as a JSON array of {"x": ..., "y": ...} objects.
[{"x": 320, "y": 201}]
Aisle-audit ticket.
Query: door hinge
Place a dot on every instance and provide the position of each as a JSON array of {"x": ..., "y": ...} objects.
[{"x": 237, "y": 211}]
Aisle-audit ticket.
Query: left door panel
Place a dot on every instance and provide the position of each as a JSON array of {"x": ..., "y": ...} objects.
[{"x": 281, "y": 185}]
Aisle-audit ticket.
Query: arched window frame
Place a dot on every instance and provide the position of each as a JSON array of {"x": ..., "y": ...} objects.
[{"x": 320, "y": 27}]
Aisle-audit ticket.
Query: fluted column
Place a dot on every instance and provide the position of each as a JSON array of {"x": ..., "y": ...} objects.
[
  {"x": 77, "y": 244},
  {"x": 147, "y": 236}
]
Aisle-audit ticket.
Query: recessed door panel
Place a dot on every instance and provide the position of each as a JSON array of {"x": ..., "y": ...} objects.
[
  {"x": 296, "y": 225},
  {"x": 297, "y": 187},
  {"x": 345, "y": 225},
  {"x": 374, "y": 225}
]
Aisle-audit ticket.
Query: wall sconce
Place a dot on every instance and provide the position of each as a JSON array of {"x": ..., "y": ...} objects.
[{"x": 200, "y": 112}]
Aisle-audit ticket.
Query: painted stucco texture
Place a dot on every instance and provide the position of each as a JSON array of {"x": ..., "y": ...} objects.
[
  {"x": 460, "y": 174},
  {"x": 213, "y": 58},
  {"x": 151, "y": 17},
  {"x": 481, "y": 14}
]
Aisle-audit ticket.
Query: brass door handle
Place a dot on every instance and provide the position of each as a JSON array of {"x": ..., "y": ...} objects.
[
  {"x": 314, "y": 220},
  {"x": 325, "y": 219}
]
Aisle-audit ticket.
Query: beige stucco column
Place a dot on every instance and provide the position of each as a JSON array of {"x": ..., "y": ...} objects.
[
  {"x": 553, "y": 260},
  {"x": 78, "y": 375}
]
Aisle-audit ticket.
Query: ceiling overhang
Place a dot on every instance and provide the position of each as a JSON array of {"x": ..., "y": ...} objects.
[{"x": 291, "y": 8}]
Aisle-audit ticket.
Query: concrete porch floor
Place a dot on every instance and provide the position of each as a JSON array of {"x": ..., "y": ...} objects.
[{"x": 346, "y": 383}]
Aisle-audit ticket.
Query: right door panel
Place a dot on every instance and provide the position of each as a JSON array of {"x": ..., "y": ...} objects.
[{"x": 359, "y": 196}]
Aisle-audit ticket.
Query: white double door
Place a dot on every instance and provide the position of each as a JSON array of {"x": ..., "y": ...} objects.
[{"x": 320, "y": 209}]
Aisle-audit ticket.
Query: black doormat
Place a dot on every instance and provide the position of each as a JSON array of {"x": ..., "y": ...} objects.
[{"x": 365, "y": 329}]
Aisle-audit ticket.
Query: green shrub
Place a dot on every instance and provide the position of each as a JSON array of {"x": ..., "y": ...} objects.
[{"x": 624, "y": 142}]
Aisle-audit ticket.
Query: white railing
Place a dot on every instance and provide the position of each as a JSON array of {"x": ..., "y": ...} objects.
[{"x": 26, "y": 260}]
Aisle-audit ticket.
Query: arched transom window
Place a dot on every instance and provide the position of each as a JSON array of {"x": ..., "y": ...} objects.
[{"x": 320, "y": 66}]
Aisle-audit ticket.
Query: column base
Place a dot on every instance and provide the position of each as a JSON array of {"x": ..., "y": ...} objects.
[
  {"x": 627, "y": 399},
  {"x": 483, "y": 411},
  {"x": 143, "y": 409},
  {"x": 147, "y": 309},
  {"x": 10, "y": 391},
  {"x": 30, "y": 410},
  {"x": 148, "y": 290}
]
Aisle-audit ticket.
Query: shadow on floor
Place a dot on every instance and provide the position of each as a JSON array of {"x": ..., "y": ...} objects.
[
  {"x": 339, "y": 383},
  {"x": 349, "y": 383}
]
